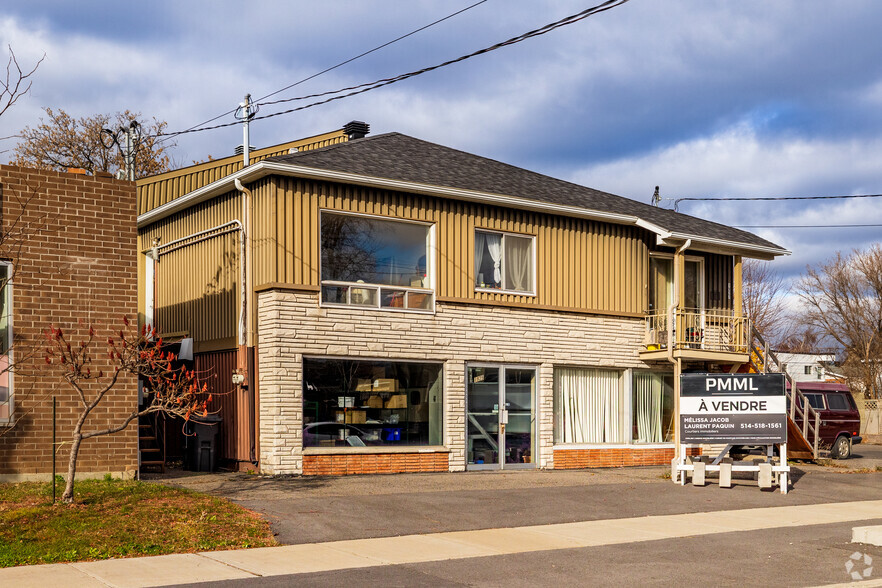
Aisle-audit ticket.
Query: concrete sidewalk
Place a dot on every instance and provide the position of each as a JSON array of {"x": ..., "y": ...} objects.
[{"x": 453, "y": 545}]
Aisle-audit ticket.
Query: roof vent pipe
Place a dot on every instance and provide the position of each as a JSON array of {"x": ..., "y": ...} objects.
[{"x": 356, "y": 129}]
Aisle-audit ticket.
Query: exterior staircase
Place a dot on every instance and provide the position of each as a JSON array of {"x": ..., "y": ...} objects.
[
  {"x": 151, "y": 442},
  {"x": 803, "y": 421}
]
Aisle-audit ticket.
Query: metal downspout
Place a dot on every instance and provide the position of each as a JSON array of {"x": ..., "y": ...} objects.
[
  {"x": 242, "y": 356},
  {"x": 678, "y": 363}
]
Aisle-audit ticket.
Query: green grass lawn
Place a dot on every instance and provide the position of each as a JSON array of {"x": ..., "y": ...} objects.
[{"x": 113, "y": 518}]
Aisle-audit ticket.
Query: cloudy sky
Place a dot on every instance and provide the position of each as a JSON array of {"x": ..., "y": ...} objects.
[{"x": 744, "y": 98}]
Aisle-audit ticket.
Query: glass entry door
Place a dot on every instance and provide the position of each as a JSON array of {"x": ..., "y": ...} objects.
[{"x": 500, "y": 417}]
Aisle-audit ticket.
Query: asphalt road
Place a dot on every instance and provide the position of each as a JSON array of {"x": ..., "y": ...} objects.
[
  {"x": 805, "y": 556},
  {"x": 309, "y": 510}
]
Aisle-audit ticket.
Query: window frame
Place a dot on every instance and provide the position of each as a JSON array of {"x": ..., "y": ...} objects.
[
  {"x": 382, "y": 448},
  {"x": 7, "y": 291},
  {"x": 626, "y": 389},
  {"x": 830, "y": 406},
  {"x": 702, "y": 279},
  {"x": 533, "y": 257},
  {"x": 431, "y": 269}
]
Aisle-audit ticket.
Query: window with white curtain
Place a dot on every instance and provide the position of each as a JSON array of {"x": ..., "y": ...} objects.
[
  {"x": 590, "y": 406},
  {"x": 503, "y": 261},
  {"x": 652, "y": 407}
]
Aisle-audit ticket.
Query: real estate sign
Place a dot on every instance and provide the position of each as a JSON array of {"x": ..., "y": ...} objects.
[{"x": 741, "y": 409}]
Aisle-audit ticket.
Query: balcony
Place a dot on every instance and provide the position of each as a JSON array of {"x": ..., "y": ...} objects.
[{"x": 700, "y": 335}]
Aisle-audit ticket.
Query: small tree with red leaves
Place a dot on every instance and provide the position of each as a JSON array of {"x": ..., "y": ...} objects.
[{"x": 173, "y": 390}]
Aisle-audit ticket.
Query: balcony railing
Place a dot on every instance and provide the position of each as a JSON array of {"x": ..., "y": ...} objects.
[{"x": 708, "y": 330}]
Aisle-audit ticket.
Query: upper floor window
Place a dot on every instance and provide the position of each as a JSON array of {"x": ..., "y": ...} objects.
[
  {"x": 376, "y": 262},
  {"x": 6, "y": 399},
  {"x": 503, "y": 261}
]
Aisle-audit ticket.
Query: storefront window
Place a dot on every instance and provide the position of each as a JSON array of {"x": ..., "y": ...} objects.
[
  {"x": 351, "y": 403},
  {"x": 589, "y": 406},
  {"x": 652, "y": 404}
]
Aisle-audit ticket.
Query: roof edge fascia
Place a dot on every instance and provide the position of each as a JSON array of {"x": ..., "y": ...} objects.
[{"x": 264, "y": 168}]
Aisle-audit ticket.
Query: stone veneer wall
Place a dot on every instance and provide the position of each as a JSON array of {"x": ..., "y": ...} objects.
[{"x": 291, "y": 324}]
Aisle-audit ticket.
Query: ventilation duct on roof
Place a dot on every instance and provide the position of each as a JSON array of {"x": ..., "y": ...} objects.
[
  {"x": 356, "y": 129},
  {"x": 240, "y": 149}
]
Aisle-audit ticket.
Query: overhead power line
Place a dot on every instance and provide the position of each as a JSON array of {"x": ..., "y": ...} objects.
[
  {"x": 377, "y": 48},
  {"x": 805, "y": 226},
  {"x": 333, "y": 67},
  {"x": 366, "y": 87},
  {"x": 767, "y": 198}
]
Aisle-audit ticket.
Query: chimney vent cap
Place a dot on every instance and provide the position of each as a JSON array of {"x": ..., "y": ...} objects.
[{"x": 356, "y": 129}]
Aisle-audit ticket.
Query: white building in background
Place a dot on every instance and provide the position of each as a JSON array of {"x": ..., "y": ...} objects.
[{"x": 808, "y": 367}]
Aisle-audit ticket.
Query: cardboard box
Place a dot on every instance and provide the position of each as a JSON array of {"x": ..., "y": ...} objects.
[
  {"x": 351, "y": 416},
  {"x": 385, "y": 385},
  {"x": 375, "y": 401},
  {"x": 364, "y": 385},
  {"x": 397, "y": 401}
]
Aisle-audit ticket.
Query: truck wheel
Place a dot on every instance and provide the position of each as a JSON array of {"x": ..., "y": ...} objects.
[{"x": 841, "y": 448}]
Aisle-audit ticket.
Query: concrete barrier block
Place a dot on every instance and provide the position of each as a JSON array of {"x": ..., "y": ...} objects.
[
  {"x": 765, "y": 475},
  {"x": 868, "y": 535},
  {"x": 725, "y": 474},
  {"x": 698, "y": 473}
]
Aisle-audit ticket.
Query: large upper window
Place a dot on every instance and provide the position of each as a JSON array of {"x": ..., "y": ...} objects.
[
  {"x": 374, "y": 262},
  {"x": 349, "y": 403},
  {"x": 503, "y": 261},
  {"x": 6, "y": 403}
]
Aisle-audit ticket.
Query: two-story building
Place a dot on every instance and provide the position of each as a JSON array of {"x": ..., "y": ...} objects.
[{"x": 397, "y": 305}]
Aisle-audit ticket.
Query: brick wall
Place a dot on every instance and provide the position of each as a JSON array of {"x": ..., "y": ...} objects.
[
  {"x": 291, "y": 324},
  {"x": 375, "y": 463},
  {"x": 568, "y": 459},
  {"x": 76, "y": 266}
]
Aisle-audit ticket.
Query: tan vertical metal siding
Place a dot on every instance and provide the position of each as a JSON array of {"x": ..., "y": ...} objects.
[
  {"x": 580, "y": 264},
  {"x": 583, "y": 265},
  {"x": 719, "y": 277},
  {"x": 197, "y": 285},
  {"x": 162, "y": 188}
]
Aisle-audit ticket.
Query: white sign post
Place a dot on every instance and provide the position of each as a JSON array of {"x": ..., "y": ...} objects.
[{"x": 733, "y": 409}]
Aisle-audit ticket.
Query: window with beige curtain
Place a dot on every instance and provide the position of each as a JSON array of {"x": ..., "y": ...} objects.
[
  {"x": 652, "y": 407},
  {"x": 503, "y": 261},
  {"x": 589, "y": 406}
]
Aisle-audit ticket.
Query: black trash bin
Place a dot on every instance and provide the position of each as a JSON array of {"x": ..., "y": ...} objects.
[{"x": 202, "y": 442}]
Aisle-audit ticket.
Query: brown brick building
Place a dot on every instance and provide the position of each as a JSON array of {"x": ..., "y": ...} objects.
[{"x": 69, "y": 249}]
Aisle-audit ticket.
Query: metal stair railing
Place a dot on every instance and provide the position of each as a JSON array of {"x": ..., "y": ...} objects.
[{"x": 761, "y": 359}]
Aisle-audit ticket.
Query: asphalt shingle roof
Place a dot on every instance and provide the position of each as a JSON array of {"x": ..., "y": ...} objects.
[{"x": 400, "y": 157}]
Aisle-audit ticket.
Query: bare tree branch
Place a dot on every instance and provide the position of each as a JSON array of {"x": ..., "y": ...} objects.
[
  {"x": 842, "y": 299},
  {"x": 17, "y": 82}
]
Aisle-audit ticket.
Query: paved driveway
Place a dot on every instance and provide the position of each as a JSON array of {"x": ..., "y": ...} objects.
[{"x": 307, "y": 510}]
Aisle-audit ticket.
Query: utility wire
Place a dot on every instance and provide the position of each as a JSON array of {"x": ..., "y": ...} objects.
[
  {"x": 361, "y": 88},
  {"x": 324, "y": 71},
  {"x": 342, "y": 63},
  {"x": 767, "y": 198},
  {"x": 804, "y": 226}
]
